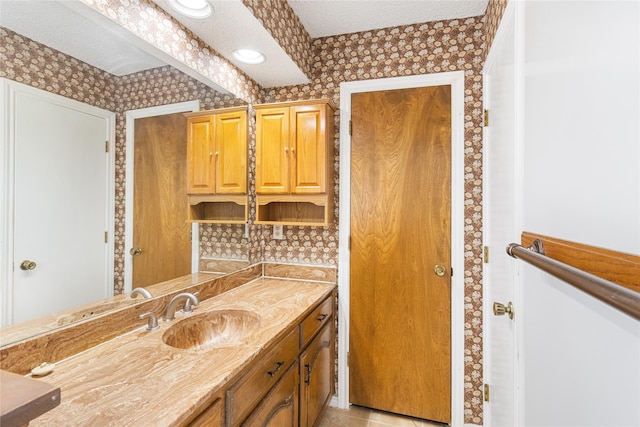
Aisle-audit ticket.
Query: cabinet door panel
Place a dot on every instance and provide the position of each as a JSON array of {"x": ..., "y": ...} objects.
[
  {"x": 309, "y": 145},
  {"x": 316, "y": 386},
  {"x": 280, "y": 407},
  {"x": 200, "y": 158},
  {"x": 272, "y": 151},
  {"x": 231, "y": 153}
]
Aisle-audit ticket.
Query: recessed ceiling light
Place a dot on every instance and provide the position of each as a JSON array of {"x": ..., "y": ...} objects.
[
  {"x": 192, "y": 8},
  {"x": 248, "y": 56}
]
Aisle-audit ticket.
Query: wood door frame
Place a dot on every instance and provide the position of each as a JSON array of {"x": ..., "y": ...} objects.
[
  {"x": 131, "y": 116},
  {"x": 8, "y": 91},
  {"x": 456, "y": 80}
]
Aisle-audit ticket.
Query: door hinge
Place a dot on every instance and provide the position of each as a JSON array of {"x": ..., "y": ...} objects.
[
  {"x": 486, "y": 392},
  {"x": 349, "y": 243},
  {"x": 486, "y": 118},
  {"x": 350, "y": 127},
  {"x": 106, "y": 237},
  {"x": 348, "y": 359},
  {"x": 106, "y": 146},
  {"x": 486, "y": 254}
]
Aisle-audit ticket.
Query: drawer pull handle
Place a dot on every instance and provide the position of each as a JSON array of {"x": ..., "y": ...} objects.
[
  {"x": 275, "y": 371},
  {"x": 322, "y": 317}
]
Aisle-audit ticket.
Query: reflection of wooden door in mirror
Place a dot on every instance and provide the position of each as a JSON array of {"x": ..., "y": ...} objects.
[{"x": 160, "y": 228}]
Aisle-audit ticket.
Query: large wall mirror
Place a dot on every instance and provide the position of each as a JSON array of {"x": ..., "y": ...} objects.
[{"x": 53, "y": 24}]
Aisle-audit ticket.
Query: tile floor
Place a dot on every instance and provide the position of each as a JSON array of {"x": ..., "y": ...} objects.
[{"x": 363, "y": 417}]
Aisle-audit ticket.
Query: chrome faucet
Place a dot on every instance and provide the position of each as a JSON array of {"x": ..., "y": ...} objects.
[
  {"x": 188, "y": 305},
  {"x": 142, "y": 291},
  {"x": 170, "y": 312}
]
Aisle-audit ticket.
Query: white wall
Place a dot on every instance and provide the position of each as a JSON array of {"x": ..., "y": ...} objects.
[{"x": 581, "y": 183}]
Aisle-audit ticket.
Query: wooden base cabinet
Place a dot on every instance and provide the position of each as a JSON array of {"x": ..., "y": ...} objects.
[
  {"x": 289, "y": 385},
  {"x": 316, "y": 380}
]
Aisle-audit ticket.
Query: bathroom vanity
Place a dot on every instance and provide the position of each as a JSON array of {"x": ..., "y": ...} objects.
[{"x": 261, "y": 353}]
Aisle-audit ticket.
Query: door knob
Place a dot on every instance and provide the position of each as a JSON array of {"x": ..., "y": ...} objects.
[
  {"x": 501, "y": 310},
  {"x": 440, "y": 270},
  {"x": 135, "y": 251},
  {"x": 27, "y": 265}
]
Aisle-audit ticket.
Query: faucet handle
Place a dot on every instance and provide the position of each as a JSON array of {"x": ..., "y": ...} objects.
[
  {"x": 152, "y": 324},
  {"x": 188, "y": 304}
]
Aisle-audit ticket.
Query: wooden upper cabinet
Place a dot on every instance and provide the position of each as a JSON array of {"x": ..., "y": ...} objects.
[
  {"x": 217, "y": 152},
  {"x": 272, "y": 151},
  {"x": 308, "y": 147},
  {"x": 231, "y": 153},
  {"x": 294, "y": 147},
  {"x": 217, "y": 146},
  {"x": 294, "y": 163},
  {"x": 200, "y": 162}
]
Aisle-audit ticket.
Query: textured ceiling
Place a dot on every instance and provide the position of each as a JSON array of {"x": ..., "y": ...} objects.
[
  {"x": 232, "y": 26},
  {"x": 96, "y": 41},
  {"x": 330, "y": 17},
  {"x": 75, "y": 29}
]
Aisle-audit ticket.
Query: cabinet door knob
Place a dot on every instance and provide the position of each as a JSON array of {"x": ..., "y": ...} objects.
[
  {"x": 135, "y": 251},
  {"x": 286, "y": 149}
]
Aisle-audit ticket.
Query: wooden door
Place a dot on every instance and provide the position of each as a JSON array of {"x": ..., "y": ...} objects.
[
  {"x": 400, "y": 231},
  {"x": 308, "y": 149},
  {"x": 272, "y": 151},
  {"x": 200, "y": 155},
  {"x": 231, "y": 153},
  {"x": 160, "y": 203}
]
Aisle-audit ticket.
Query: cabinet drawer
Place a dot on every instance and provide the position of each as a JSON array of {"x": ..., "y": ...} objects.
[
  {"x": 314, "y": 321},
  {"x": 243, "y": 396}
]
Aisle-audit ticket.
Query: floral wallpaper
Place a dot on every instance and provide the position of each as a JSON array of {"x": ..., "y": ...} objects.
[
  {"x": 493, "y": 15},
  {"x": 401, "y": 51},
  {"x": 408, "y": 50},
  {"x": 32, "y": 63},
  {"x": 26, "y": 61},
  {"x": 283, "y": 24}
]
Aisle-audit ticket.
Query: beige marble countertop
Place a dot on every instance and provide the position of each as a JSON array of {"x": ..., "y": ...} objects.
[{"x": 137, "y": 380}]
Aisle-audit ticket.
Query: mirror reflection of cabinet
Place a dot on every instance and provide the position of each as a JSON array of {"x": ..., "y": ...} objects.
[
  {"x": 217, "y": 165},
  {"x": 294, "y": 162}
]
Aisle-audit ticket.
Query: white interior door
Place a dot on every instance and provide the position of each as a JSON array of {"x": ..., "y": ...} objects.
[
  {"x": 501, "y": 224},
  {"x": 60, "y": 203}
]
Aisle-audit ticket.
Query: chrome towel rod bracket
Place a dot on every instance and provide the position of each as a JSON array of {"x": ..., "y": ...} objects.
[
  {"x": 625, "y": 300},
  {"x": 537, "y": 246}
]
